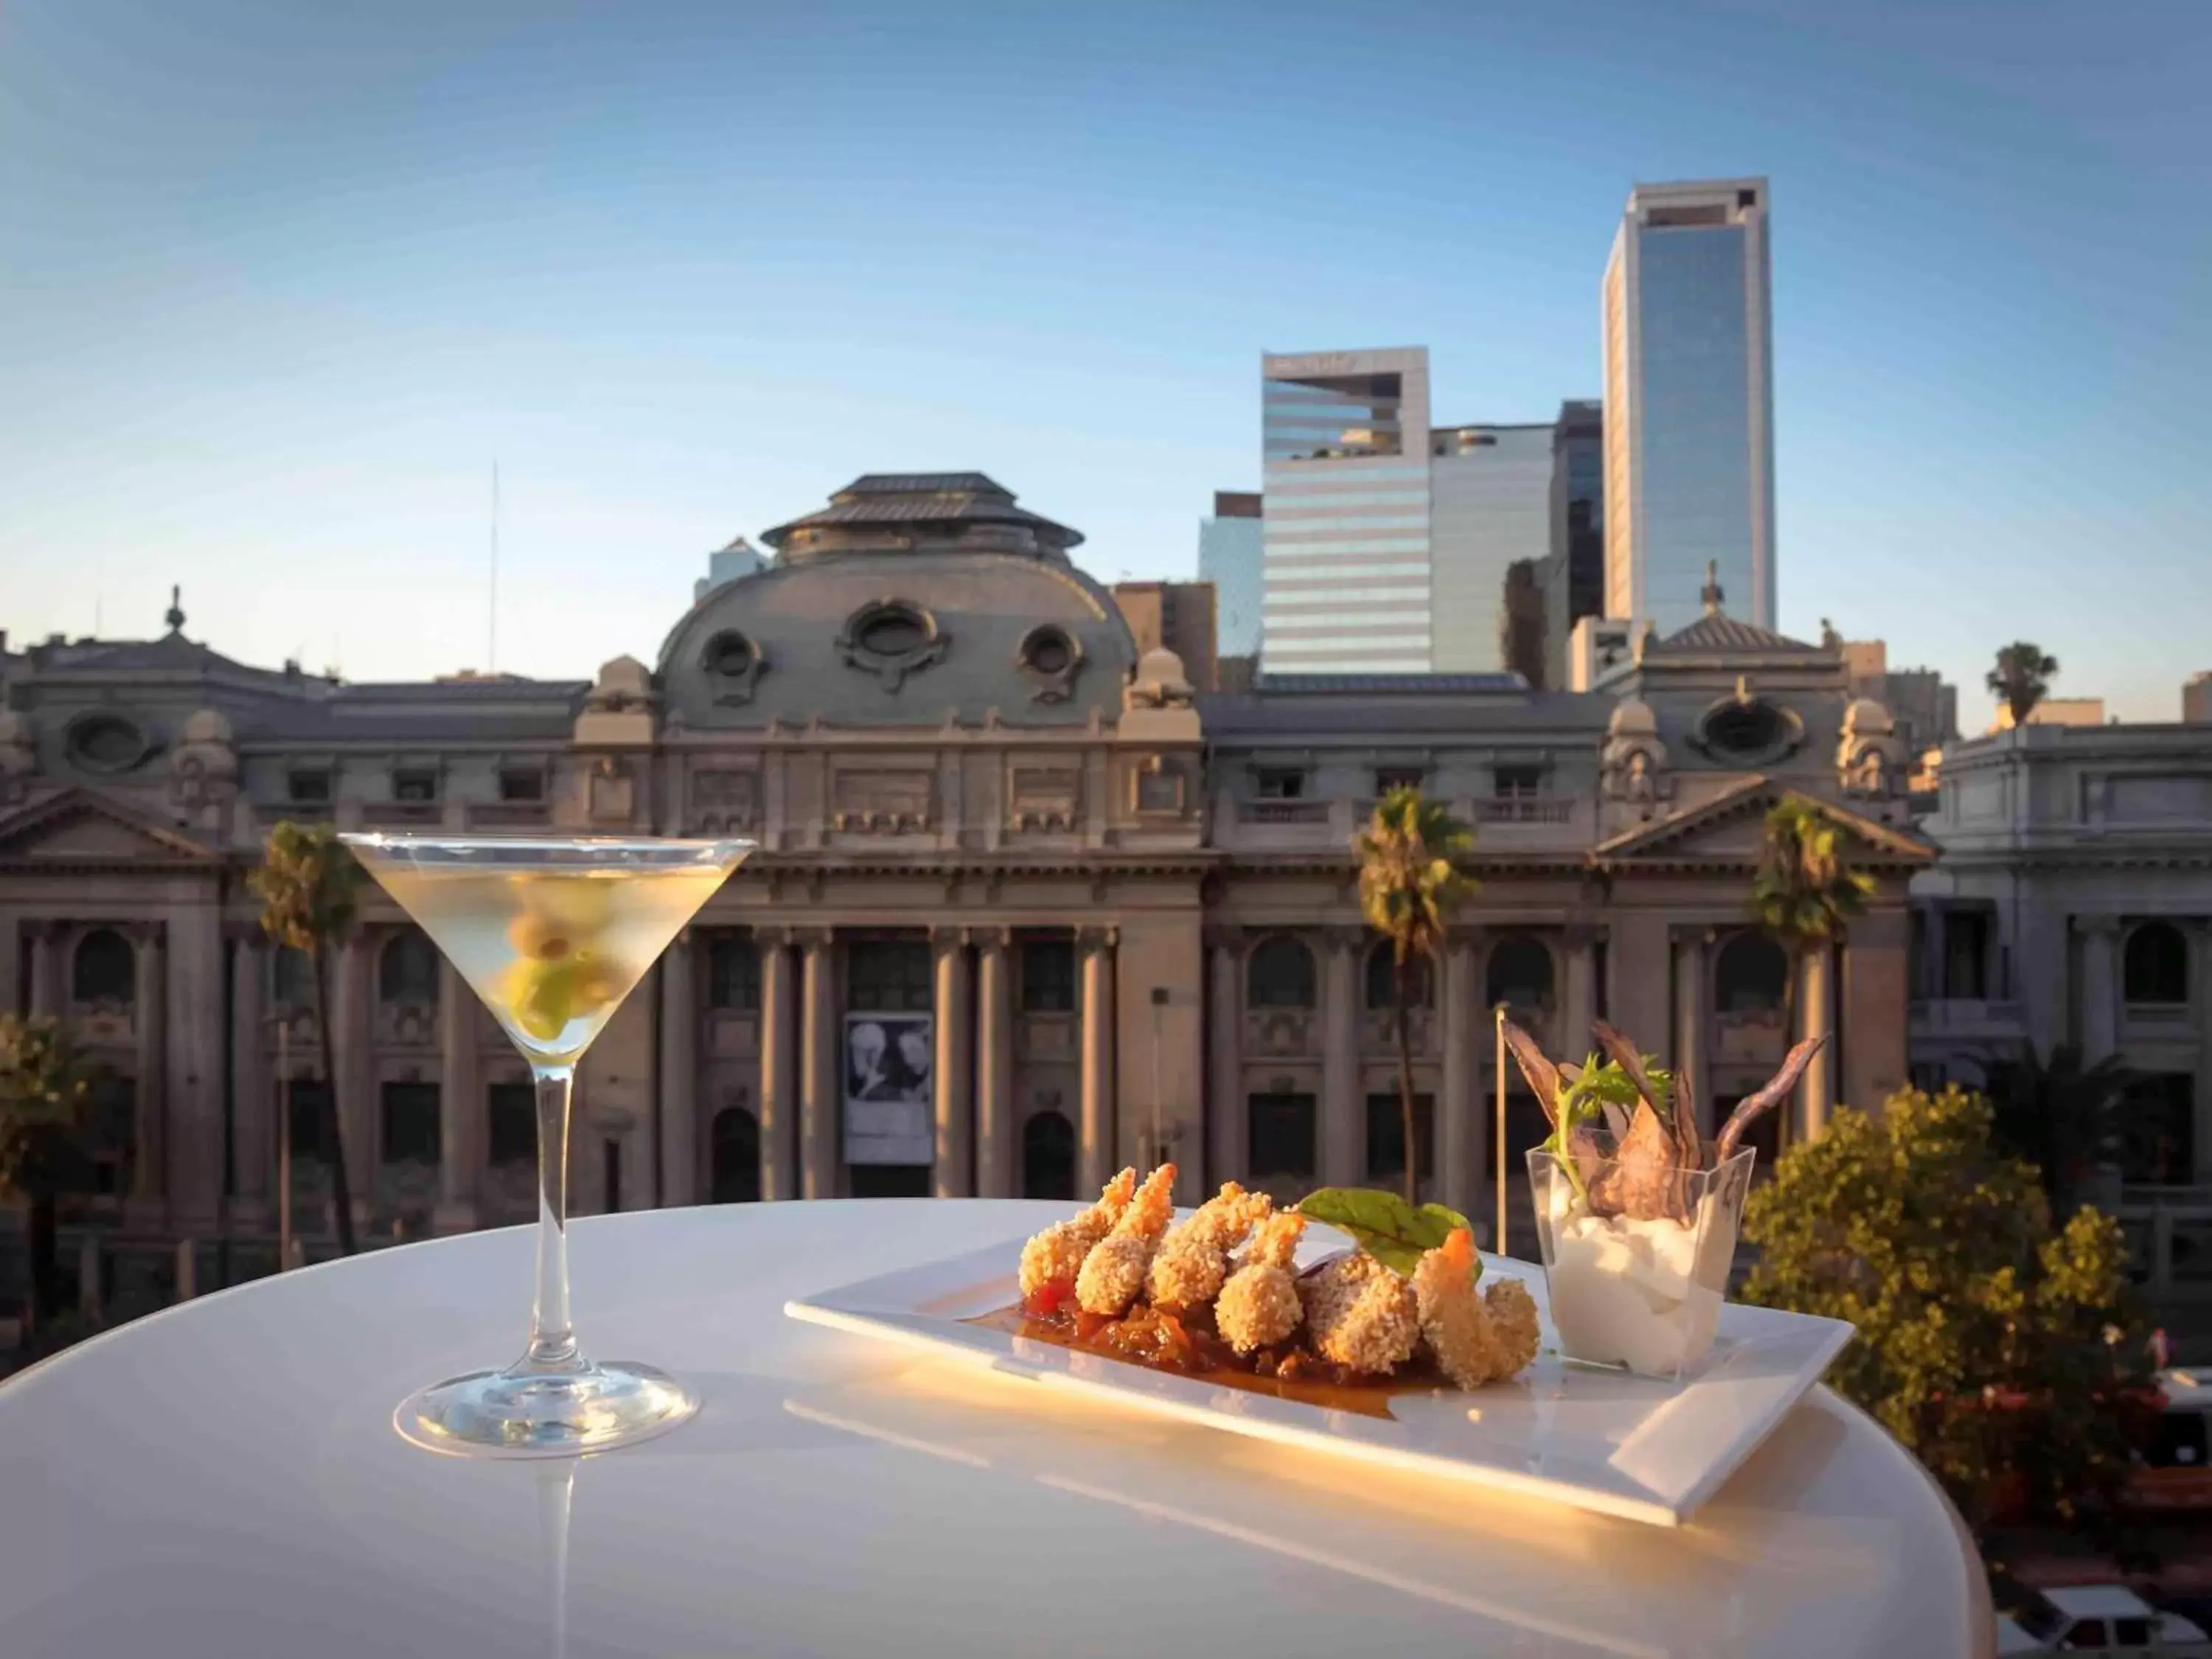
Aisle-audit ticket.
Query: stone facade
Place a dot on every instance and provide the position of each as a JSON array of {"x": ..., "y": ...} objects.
[{"x": 1120, "y": 913}]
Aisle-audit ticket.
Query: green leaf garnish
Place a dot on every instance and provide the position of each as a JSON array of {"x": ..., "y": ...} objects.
[
  {"x": 1602, "y": 1084},
  {"x": 1388, "y": 1228}
]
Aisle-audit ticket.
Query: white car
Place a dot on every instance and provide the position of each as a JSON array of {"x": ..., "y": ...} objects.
[{"x": 2091, "y": 1616}]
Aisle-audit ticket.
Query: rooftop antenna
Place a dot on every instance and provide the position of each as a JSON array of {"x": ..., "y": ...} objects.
[{"x": 491, "y": 618}]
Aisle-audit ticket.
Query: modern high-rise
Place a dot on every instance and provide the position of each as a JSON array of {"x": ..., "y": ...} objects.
[
  {"x": 1490, "y": 512},
  {"x": 1230, "y": 552},
  {"x": 1574, "y": 576},
  {"x": 1689, "y": 404},
  {"x": 1344, "y": 440}
]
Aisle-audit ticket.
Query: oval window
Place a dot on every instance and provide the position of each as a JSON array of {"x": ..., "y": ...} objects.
[
  {"x": 1745, "y": 728},
  {"x": 106, "y": 743},
  {"x": 892, "y": 633},
  {"x": 729, "y": 655},
  {"x": 1049, "y": 652}
]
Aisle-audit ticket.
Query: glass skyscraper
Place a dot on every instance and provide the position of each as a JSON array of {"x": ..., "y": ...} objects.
[
  {"x": 1231, "y": 550},
  {"x": 1490, "y": 509},
  {"x": 1689, "y": 396}
]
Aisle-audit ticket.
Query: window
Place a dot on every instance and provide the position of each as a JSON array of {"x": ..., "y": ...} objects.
[
  {"x": 891, "y": 639},
  {"x": 415, "y": 784},
  {"x": 407, "y": 972},
  {"x": 1750, "y": 974},
  {"x": 105, "y": 743},
  {"x": 512, "y": 1109},
  {"x": 1388, "y": 778},
  {"x": 1515, "y": 779},
  {"x": 1281, "y": 1127},
  {"x": 1519, "y": 975},
  {"x": 1386, "y": 1139},
  {"x": 2086, "y": 1634},
  {"x": 105, "y": 970},
  {"x": 1280, "y": 975},
  {"x": 734, "y": 665},
  {"x": 1383, "y": 977},
  {"x": 309, "y": 786},
  {"x": 1048, "y": 976},
  {"x": 112, "y": 1142},
  {"x": 1279, "y": 783},
  {"x": 521, "y": 783},
  {"x": 1048, "y": 1157},
  {"x": 291, "y": 977},
  {"x": 1048, "y": 651},
  {"x": 732, "y": 973},
  {"x": 308, "y": 1102},
  {"x": 410, "y": 1123},
  {"x": 891, "y": 1180},
  {"x": 2156, "y": 969},
  {"x": 886, "y": 976},
  {"x": 1744, "y": 731},
  {"x": 2158, "y": 1136},
  {"x": 2131, "y": 1633},
  {"x": 1966, "y": 953},
  {"x": 736, "y": 1157},
  {"x": 611, "y": 1174}
]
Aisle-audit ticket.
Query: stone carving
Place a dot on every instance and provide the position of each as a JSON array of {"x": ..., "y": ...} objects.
[
  {"x": 1870, "y": 758},
  {"x": 1633, "y": 765},
  {"x": 619, "y": 709},
  {"x": 733, "y": 666},
  {"x": 1044, "y": 797},
  {"x": 1050, "y": 656},
  {"x": 203, "y": 766},
  {"x": 883, "y": 802},
  {"x": 613, "y": 792},
  {"x": 726, "y": 801},
  {"x": 891, "y": 639},
  {"x": 1159, "y": 682},
  {"x": 19, "y": 756}
]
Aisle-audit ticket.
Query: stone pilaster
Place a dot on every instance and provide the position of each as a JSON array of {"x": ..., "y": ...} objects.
[
  {"x": 2100, "y": 1012},
  {"x": 996, "y": 1155},
  {"x": 952, "y": 1080},
  {"x": 1692, "y": 1016},
  {"x": 679, "y": 1071},
  {"x": 149, "y": 1016},
  {"x": 778, "y": 1067},
  {"x": 464, "y": 1137},
  {"x": 353, "y": 1015},
  {"x": 1343, "y": 1107},
  {"x": 252, "y": 1103},
  {"x": 13, "y": 991},
  {"x": 820, "y": 1068},
  {"x": 1228, "y": 1156},
  {"x": 192, "y": 1108},
  {"x": 1578, "y": 1003},
  {"x": 46, "y": 991},
  {"x": 1098, "y": 1131},
  {"x": 1815, "y": 1004},
  {"x": 1463, "y": 1150}
]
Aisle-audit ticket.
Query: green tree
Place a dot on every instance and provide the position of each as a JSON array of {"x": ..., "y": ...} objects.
[
  {"x": 2004, "y": 1353},
  {"x": 2022, "y": 679},
  {"x": 1411, "y": 874},
  {"x": 2061, "y": 1116},
  {"x": 44, "y": 1092},
  {"x": 1802, "y": 894},
  {"x": 309, "y": 886}
]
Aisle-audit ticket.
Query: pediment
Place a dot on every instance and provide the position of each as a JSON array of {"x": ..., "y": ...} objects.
[
  {"x": 78, "y": 826},
  {"x": 1730, "y": 828}
]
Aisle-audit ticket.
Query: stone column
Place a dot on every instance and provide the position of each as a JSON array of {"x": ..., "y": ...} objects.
[
  {"x": 12, "y": 988},
  {"x": 192, "y": 1103},
  {"x": 779, "y": 1069},
  {"x": 46, "y": 994},
  {"x": 253, "y": 1128},
  {"x": 1692, "y": 1019},
  {"x": 679, "y": 1071},
  {"x": 1099, "y": 1134},
  {"x": 463, "y": 1140},
  {"x": 2100, "y": 986},
  {"x": 149, "y": 1162},
  {"x": 352, "y": 1012},
  {"x": 1816, "y": 1095},
  {"x": 1578, "y": 1001},
  {"x": 1228, "y": 1156},
  {"x": 953, "y": 1079},
  {"x": 1461, "y": 1147},
  {"x": 820, "y": 1070},
  {"x": 996, "y": 1163},
  {"x": 1343, "y": 1109},
  {"x": 2200, "y": 996}
]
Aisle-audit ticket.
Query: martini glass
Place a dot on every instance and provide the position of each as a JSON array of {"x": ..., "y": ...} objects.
[{"x": 552, "y": 933}]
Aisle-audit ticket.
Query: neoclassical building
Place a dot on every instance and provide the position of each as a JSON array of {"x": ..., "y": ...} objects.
[{"x": 1025, "y": 906}]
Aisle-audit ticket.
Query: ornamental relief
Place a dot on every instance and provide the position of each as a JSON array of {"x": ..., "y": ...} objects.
[
  {"x": 1284, "y": 1031},
  {"x": 1044, "y": 797},
  {"x": 883, "y": 801},
  {"x": 723, "y": 801}
]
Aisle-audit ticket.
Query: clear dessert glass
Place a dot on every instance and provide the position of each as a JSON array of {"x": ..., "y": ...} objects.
[
  {"x": 552, "y": 933},
  {"x": 1642, "y": 1295}
]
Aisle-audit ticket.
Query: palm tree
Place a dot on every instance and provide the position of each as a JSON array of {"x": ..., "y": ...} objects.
[
  {"x": 2022, "y": 677},
  {"x": 309, "y": 887},
  {"x": 2061, "y": 1115},
  {"x": 44, "y": 1090},
  {"x": 1803, "y": 893},
  {"x": 1411, "y": 858}
]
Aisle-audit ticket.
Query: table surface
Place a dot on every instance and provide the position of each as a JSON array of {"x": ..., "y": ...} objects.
[{"x": 222, "y": 1479}]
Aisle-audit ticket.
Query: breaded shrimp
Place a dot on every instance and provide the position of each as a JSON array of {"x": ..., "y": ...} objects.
[
  {"x": 1476, "y": 1339},
  {"x": 1193, "y": 1258},
  {"x": 1113, "y": 1271},
  {"x": 1361, "y": 1315},
  {"x": 1259, "y": 1306},
  {"x": 1057, "y": 1253}
]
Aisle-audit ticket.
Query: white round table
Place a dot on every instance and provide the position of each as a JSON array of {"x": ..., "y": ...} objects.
[{"x": 222, "y": 1480}]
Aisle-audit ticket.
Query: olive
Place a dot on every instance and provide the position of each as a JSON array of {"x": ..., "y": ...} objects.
[{"x": 539, "y": 936}]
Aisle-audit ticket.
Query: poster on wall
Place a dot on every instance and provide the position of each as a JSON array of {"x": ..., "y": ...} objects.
[{"x": 888, "y": 1088}]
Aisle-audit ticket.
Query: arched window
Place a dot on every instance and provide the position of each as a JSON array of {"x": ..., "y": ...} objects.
[
  {"x": 408, "y": 971},
  {"x": 736, "y": 1157},
  {"x": 1519, "y": 974},
  {"x": 1750, "y": 974},
  {"x": 291, "y": 977},
  {"x": 2156, "y": 969},
  {"x": 1280, "y": 975},
  {"x": 1048, "y": 1157},
  {"x": 1383, "y": 978},
  {"x": 105, "y": 970}
]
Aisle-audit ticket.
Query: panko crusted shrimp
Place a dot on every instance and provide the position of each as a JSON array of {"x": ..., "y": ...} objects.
[
  {"x": 1193, "y": 1259},
  {"x": 1258, "y": 1305},
  {"x": 1360, "y": 1314},
  {"x": 1113, "y": 1273},
  {"x": 1055, "y": 1256},
  {"x": 1477, "y": 1338}
]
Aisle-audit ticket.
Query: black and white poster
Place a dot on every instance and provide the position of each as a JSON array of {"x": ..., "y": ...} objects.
[{"x": 889, "y": 1089}]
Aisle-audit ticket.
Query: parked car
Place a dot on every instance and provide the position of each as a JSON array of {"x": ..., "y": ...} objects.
[{"x": 2091, "y": 1616}]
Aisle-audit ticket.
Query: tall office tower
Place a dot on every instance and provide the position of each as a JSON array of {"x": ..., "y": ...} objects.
[
  {"x": 1574, "y": 576},
  {"x": 1689, "y": 404},
  {"x": 1489, "y": 514},
  {"x": 725, "y": 565},
  {"x": 2197, "y": 699},
  {"x": 1231, "y": 549},
  {"x": 1345, "y": 438}
]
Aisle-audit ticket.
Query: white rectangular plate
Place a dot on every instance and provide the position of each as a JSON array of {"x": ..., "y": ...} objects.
[{"x": 1600, "y": 1440}]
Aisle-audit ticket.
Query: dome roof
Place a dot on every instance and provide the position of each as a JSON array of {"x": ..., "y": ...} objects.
[
  {"x": 921, "y": 512},
  {"x": 1633, "y": 718}
]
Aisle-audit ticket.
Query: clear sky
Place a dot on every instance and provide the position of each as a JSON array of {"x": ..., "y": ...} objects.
[{"x": 280, "y": 279}]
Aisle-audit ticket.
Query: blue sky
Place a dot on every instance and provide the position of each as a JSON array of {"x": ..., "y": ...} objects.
[{"x": 279, "y": 281}]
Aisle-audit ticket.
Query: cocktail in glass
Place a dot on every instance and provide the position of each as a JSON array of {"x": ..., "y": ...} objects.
[{"x": 552, "y": 933}]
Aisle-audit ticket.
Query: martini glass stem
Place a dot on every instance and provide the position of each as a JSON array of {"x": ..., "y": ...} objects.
[{"x": 552, "y": 1340}]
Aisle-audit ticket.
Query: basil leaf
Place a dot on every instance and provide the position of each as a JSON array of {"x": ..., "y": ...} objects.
[{"x": 1388, "y": 1228}]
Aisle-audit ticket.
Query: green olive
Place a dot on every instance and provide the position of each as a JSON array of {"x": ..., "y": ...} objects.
[{"x": 537, "y": 936}]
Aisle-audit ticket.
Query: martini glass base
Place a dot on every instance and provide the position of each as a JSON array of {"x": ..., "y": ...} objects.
[{"x": 517, "y": 1412}]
